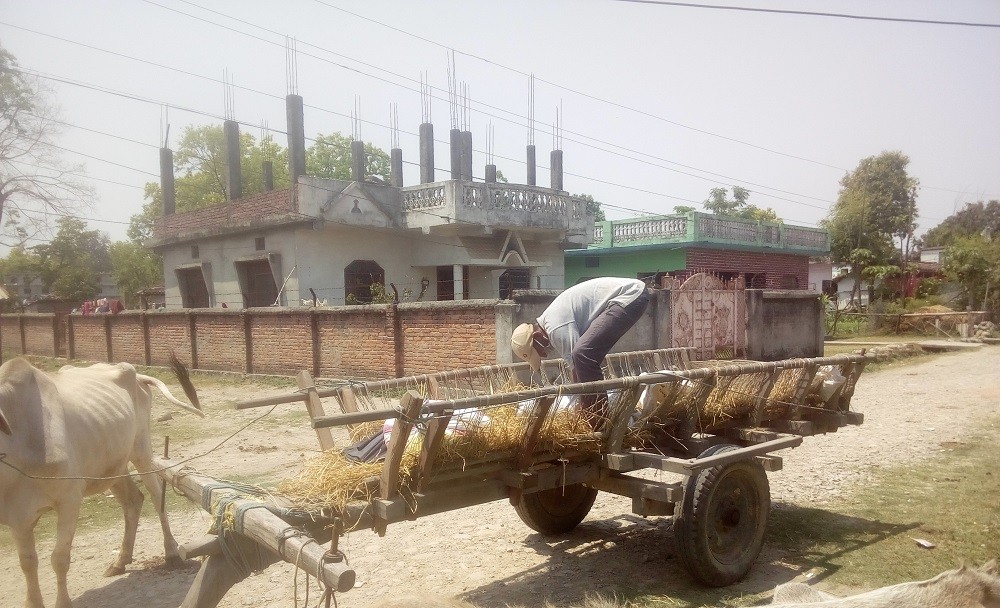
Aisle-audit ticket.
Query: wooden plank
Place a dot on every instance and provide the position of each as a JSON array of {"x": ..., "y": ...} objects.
[
  {"x": 693, "y": 465},
  {"x": 314, "y": 405},
  {"x": 432, "y": 443},
  {"x": 626, "y": 406},
  {"x": 843, "y": 403},
  {"x": 804, "y": 428},
  {"x": 761, "y": 398},
  {"x": 526, "y": 451},
  {"x": 389, "y": 486},
  {"x": 624, "y": 485},
  {"x": 348, "y": 400},
  {"x": 207, "y": 544}
]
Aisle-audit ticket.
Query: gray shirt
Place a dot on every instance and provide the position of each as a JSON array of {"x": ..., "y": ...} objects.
[{"x": 572, "y": 312}]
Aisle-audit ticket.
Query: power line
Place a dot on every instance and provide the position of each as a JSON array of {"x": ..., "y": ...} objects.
[{"x": 749, "y": 9}]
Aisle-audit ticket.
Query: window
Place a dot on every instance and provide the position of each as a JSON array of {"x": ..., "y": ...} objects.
[
  {"x": 789, "y": 281},
  {"x": 829, "y": 288},
  {"x": 591, "y": 261},
  {"x": 258, "y": 243},
  {"x": 359, "y": 276},
  {"x": 514, "y": 278},
  {"x": 755, "y": 280},
  {"x": 446, "y": 282},
  {"x": 194, "y": 252},
  {"x": 194, "y": 290},
  {"x": 257, "y": 283}
]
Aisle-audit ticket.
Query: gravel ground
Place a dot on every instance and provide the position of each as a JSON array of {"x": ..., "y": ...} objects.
[{"x": 486, "y": 555}]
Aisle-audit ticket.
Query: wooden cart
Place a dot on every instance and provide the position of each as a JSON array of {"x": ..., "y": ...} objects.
[{"x": 656, "y": 420}]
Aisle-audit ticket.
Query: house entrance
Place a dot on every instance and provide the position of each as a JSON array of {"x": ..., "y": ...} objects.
[
  {"x": 257, "y": 283},
  {"x": 709, "y": 315}
]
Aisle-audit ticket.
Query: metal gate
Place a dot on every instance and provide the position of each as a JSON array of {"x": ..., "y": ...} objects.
[{"x": 709, "y": 315}]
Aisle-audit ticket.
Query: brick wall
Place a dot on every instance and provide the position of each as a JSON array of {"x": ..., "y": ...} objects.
[
  {"x": 249, "y": 210},
  {"x": 89, "y": 338},
  {"x": 281, "y": 341},
  {"x": 355, "y": 342},
  {"x": 439, "y": 338},
  {"x": 38, "y": 335},
  {"x": 10, "y": 333},
  {"x": 221, "y": 341},
  {"x": 169, "y": 331},
  {"x": 774, "y": 265},
  {"x": 127, "y": 343}
]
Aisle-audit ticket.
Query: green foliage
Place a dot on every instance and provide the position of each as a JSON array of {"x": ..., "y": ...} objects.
[
  {"x": 738, "y": 206},
  {"x": 330, "y": 156},
  {"x": 379, "y": 295},
  {"x": 70, "y": 264},
  {"x": 200, "y": 174},
  {"x": 683, "y": 209},
  {"x": 593, "y": 207},
  {"x": 928, "y": 288},
  {"x": 974, "y": 263},
  {"x": 876, "y": 205},
  {"x": 135, "y": 268},
  {"x": 973, "y": 219}
]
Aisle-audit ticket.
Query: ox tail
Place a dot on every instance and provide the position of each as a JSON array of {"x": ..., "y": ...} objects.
[{"x": 185, "y": 379}]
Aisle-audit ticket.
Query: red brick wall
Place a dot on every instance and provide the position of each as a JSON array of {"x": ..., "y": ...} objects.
[
  {"x": 221, "y": 343},
  {"x": 89, "y": 340},
  {"x": 38, "y": 335},
  {"x": 10, "y": 334},
  {"x": 169, "y": 331},
  {"x": 126, "y": 339},
  {"x": 774, "y": 265},
  {"x": 356, "y": 342},
  {"x": 439, "y": 338},
  {"x": 247, "y": 210},
  {"x": 281, "y": 341}
]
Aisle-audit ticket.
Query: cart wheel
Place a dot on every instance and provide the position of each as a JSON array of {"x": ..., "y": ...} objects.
[
  {"x": 719, "y": 525},
  {"x": 557, "y": 510}
]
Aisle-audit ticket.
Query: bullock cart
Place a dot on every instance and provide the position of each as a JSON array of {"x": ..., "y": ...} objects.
[{"x": 713, "y": 425}]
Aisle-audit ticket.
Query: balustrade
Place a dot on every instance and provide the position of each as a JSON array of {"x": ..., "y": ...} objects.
[
  {"x": 424, "y": 198},
  {"x": 672, "y": 227}
]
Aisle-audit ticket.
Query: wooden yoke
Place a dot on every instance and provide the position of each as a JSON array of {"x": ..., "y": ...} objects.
[
  {"x": 410, "y": 404},
  {"x": 314, "y": 405}
]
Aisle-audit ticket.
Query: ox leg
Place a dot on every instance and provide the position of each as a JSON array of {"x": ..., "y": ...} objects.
[
  {"x": 152, "y": 483},
  {"x": 67, "y": 514},
  {"x": 130, "y": 498},
  {"x": 24, "y": 537}
]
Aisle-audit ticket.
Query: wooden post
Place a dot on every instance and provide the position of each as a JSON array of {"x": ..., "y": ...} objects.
[
  {"x": 70, "y": 338},
  {"x": 107, "y": 337},
  {"x": 146, "y": 348},
  {"x": 314, "y": 405},
  {"x": 55, "y": 336},
  {"x": 247, "y": 341},
  {"x": 24, "y": 340},
  {"x": 389, "y": 485},
  {"x": 802, "y": 390},
  {"x": 193, "y": 337},
  {"x": 616, "y": 434},
  {"x": 316, "y": 346},
  {"x": 432, "y": 442}
]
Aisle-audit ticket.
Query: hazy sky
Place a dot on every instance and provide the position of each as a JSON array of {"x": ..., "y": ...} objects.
[{"x": 659, "y": 103}]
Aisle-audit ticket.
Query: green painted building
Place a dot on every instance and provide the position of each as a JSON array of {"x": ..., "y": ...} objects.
[{"x": 766, "y": 255}]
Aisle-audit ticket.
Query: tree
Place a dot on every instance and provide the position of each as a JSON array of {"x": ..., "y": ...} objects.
[
  {"x": 683, "y": 209},
  {"x": 738, "y": 206},
  {"x": 200, "y": 174},
  {"x": 135, "y": 268},
  {"x": 974, "y": 218},
  {"x": 34, "y": 181},
  {"x": 875, "y": 207},
  {"x": 71, "y": 263},
  {"x": 330, "y": 156},
  {"x": 593, "y": 207},
  {"x": 974, "y": 263}
]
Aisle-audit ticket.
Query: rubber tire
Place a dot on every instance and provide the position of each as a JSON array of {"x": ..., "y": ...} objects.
[
  {"x": 557, "y": 510},
  {"x": 720, "y": 524}
]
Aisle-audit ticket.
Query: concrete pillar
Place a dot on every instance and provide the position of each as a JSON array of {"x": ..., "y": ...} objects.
[
  {"x": 396, "y": 167},
  {"x": 167, "y": 192},
  {"x": 426, "y": 153},
  {"x": 556, "y": 166},
  {"x": 491, "y": 174},
  {"x": 455, "y": 138},
  {"x": 358, "y": 161},
  {"x": 467, "y": 156},
  {"x": 531, "y": 166},
  {"x": 267, "y": 175},
  {"x": 458, "y": 281},
  {"x": 234, "y": 174},
  {"x": 296, "y": 138}
]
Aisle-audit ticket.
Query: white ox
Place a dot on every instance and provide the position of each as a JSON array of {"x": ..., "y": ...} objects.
[{"x": 69, "y": 435}]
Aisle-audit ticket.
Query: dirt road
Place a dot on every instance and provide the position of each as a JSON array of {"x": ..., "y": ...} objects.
[{"x": 486, "y": 555}]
